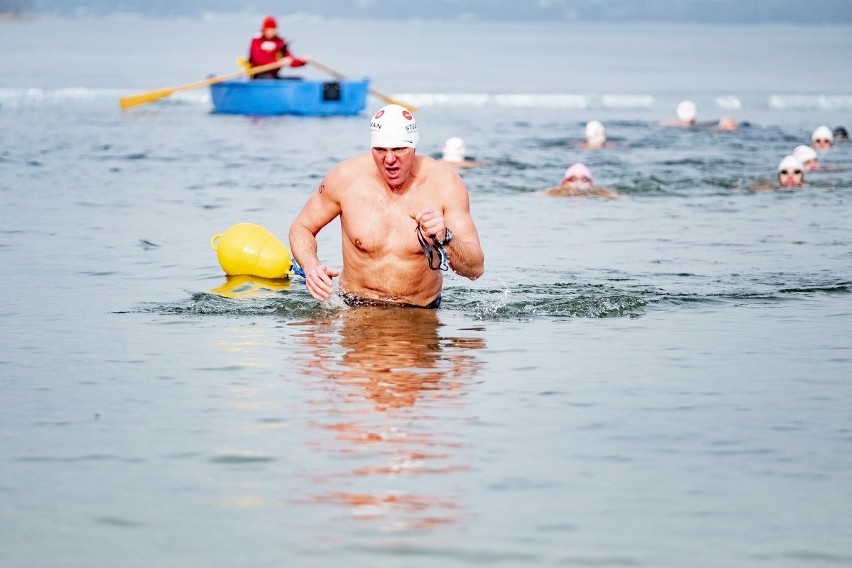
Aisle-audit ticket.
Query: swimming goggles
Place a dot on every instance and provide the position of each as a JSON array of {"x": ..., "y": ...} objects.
[{"x": 436, "y": 256}]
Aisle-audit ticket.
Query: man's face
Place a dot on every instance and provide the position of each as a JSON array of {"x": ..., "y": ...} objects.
[
  {"x": 577, "y": 183},
  {"x": 791, "y": 177},
  {"x": 395, "y": 164},
  {"x": 821, "y": 143}
]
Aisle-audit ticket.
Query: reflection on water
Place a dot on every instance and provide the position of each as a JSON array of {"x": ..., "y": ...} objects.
[
  {"x": 393, "y": 387},
  {"x": 247, "y": 286}
]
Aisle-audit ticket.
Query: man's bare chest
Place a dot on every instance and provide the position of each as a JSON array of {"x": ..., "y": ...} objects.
[{"x": 376, "y": 222}]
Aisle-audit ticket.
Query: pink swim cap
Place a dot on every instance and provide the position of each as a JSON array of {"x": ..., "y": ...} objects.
[{"x": 578, "y": 170}]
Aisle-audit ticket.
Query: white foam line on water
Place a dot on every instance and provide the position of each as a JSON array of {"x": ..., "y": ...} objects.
[
  {"x": 612, "y": 101},
  {"x": 729, "y": 102},
  {"x": 810, "y": 102},
  {"x": 21, "y": 97},
  {"x": 523, "y": 100},
  {"x": 37, "y": 97}
]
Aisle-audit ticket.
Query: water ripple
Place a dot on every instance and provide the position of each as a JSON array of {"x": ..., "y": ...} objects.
[{"x": 518, "y": 301}]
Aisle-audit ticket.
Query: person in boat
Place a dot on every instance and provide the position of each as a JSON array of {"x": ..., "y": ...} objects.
[
  {"x": 454, "y": 154},
  {"x": 394, "y": 207},
  {"x": 791, "y": 174},
  {"x": 578, "y": 182},
  {"x": 268, "y": 47}
]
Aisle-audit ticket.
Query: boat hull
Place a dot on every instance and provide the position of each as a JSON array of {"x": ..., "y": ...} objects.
[{"x": 290, "y": 96}]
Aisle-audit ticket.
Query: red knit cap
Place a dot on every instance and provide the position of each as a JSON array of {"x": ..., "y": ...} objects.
[{"x": 269, "y": 22}]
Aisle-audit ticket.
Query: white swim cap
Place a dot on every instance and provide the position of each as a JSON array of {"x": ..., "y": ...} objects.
[
  {"x": 791, "y": 163},
  {"x": 687, "y": 110},
  {"x": 804, "y": 153},
  {"x": 454, "y": 149},
  {"x": 822, "y": 133},
  {"x": 393, "y": 127},
  {"x": 595, "y": 132}
]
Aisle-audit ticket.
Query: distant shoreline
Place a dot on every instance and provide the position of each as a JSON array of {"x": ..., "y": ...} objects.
[{"x": 575, "y": 12}]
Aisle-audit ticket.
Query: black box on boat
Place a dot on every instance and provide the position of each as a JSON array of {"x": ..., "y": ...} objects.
[{"x": 331, "y": 91}]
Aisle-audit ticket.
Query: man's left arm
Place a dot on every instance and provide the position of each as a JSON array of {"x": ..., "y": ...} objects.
[{"x": 464, "y": 250}]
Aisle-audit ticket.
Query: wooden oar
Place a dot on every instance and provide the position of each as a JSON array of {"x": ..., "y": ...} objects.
[
  {"x": 151, "y": 96},
  {"x": 373, "y": 92}
]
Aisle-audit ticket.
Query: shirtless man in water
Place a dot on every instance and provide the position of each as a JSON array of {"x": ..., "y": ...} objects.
[{"x": 394, "y": 206}]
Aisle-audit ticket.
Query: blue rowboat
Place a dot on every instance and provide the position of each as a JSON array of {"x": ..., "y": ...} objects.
[{"x": 290, "y": 96}]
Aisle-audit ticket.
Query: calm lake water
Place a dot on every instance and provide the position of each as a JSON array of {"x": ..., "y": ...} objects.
[{"x": 660, "y": 380}]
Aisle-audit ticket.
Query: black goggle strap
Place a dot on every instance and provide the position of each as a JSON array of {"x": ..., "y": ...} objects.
[{"x": 437, "y": 261}]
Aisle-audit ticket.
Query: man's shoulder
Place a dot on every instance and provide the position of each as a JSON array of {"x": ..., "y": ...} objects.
[
  {"x": 349, "y": 169},
  {"x": 435, "y": 167},
  {"x": 354, "y": 164}
]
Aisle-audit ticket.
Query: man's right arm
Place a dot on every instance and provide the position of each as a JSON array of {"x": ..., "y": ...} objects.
[{"x": 318, "y": 212}]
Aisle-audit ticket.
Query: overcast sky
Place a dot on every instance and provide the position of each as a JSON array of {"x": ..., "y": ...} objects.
[{"x": 696, "y": 11}]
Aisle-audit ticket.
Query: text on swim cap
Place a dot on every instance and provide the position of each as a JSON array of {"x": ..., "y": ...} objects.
[{"x": 409, "y": 128}]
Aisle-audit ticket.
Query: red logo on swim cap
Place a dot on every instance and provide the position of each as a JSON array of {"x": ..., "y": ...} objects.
[
  {"x": 407, "y": 114},
  {"x": 380, "y": 113}
]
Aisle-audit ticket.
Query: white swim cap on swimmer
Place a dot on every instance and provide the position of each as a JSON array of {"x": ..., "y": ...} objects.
[
  {"x": 595, "y": 132},
  {"x": 822, "y": 133},
  {"x": 791, "y": 163},
  {"x": 687, "y": 110},
  {"x": 454, "y": 150},
  {"x": 804, "y": 153},
  {"x": 393, "y": 126}
]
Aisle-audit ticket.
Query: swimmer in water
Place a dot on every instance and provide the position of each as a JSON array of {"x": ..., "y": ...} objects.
[
  {"x": 687, "y": 114},
  {"x": 404, "y": 218},
  {"x": 454, "y": 154},
  {"x": 727, "y": 123},
  {"x": 791, "y": 174},
  {"x": 808, "y": 156},
  {"x": 595, "y": 135},
  {"x": 578, "y": 182},
  {"x": 822, "y": 138}
]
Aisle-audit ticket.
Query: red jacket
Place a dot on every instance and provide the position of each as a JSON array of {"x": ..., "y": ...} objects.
[{"x": 263, "y": 51}]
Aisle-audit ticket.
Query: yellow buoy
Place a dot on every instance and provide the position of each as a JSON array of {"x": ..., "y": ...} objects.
[{"x": 247, "y": 248}]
